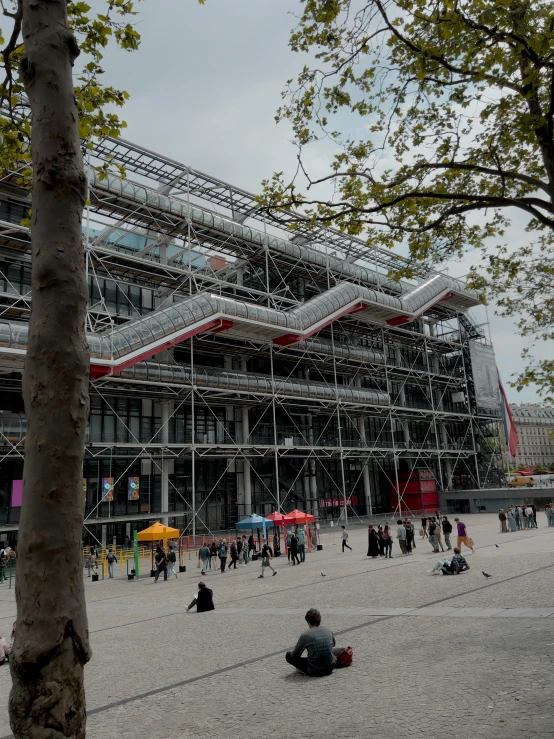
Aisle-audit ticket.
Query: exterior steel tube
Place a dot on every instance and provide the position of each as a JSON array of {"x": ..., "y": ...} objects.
[{"x": 183, "y": 211}]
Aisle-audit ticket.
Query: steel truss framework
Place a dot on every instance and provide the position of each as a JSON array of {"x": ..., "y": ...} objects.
[{"x": 207, "y": 455}]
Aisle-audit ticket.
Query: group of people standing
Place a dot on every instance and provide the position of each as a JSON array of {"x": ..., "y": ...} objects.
[
  {"x": 165, "y": 562},
  {"x": 380, "y": 540},
  {"x": 518, "y": 517},
  {"x": 296, "y": 545},
  {"x": 237, "y": 551}
]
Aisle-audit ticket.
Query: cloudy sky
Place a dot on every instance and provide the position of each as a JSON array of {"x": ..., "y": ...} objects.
[{"x": 204, "y": 88}]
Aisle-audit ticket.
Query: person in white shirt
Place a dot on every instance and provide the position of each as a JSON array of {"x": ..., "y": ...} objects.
[
  {"x": 345, "y": 540},
  {"x": 529, "y": 514},
  {"x": 3, "y": 650},
  {"x": 401, "y": 536}
]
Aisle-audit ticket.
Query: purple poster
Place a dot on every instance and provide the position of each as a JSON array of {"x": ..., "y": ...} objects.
[{"x": 17, "y": 493}]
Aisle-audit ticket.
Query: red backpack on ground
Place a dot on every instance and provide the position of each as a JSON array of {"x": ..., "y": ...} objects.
[{"x": 344, "y": 658}]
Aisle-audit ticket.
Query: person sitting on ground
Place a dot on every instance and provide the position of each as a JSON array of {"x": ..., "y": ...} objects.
[
  {"x": 204, "y": 601},
  {"x": 457, "y": 565},
  {"x": 320, "y": 645}
]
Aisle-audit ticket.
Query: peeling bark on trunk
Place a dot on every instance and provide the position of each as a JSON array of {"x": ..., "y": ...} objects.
[{"x": 47, "y": 700}]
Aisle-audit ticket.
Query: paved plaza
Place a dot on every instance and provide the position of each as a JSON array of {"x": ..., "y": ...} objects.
[{"x": 436, "y": 657}]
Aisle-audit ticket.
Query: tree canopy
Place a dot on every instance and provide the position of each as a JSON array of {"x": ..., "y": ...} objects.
[
  {"x": 93, "y": 31},
  {"x": 454, "y": 119}
]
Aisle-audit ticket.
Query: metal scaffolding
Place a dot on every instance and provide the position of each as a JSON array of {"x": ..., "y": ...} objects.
[{"x": 236, "y": 368}]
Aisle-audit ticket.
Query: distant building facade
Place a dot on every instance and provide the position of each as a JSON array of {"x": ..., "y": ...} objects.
[{"x": 535, "y": 431}]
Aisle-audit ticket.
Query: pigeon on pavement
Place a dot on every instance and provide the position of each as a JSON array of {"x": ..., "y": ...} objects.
[
  {"x": 322, "y": 575},
  {"x": 486, "y": 574}
]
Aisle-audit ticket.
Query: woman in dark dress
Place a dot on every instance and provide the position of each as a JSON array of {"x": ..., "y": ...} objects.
[
  {"x": 410, "y": 536},
  {"x": 372, "y": 542}
]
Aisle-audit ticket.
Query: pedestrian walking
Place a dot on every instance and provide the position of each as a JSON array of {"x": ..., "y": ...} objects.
[
  {"x": 463, "y": 538},
  {"x": 294, "y": 550},
  {"x": 161, "y": 564},
  {"x": 111, "y": 559},
  {"x": 302, "y": 541},
  {"x": 251, "y": 545},
  {"x": 432, "y": 527},
  {"x": 524, "y": 522},
  {"x": 234, "y": 555},
  {"x": 534, "y": 509},
  {"x": 529, "y": 517},
  {"x": 171, "y": 562},
  {"x": 344, "y": 537},
  {"x": 204, "y": 558},
  {"x": 244, "y": 551},
  {"x": 518, "y": 515},
  {"x": 438, "y": 535},
  {"x": 401, "y": 536},
  {"x": 204, "y": 600},
  {"x": 91, "y": 562},
  {"x": 372, "y": 542},
  {"x": 387, "y": 541},
  {"x": 222, "y": 553},
  {"x": 424, "y": 527},
  {"x": 266, "y": 556},
  {"x": 503, "y": 518},
  {"x": 447, "y": 530}
]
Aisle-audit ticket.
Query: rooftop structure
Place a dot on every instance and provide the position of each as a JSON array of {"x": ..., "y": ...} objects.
[{"x": 239, "y": 367}]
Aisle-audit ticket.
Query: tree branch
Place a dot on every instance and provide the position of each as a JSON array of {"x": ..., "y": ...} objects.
[{"x": 440, "y": 59}]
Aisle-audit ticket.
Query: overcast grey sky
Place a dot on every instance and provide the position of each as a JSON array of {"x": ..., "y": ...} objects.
[{"x": 204, "y": 89}]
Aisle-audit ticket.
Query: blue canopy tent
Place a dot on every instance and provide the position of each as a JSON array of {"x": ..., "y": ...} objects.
[{"x": 254, "y": 522}]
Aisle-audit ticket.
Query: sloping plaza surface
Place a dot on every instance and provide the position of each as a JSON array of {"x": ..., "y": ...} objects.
[{"x": 434, "y": 657}]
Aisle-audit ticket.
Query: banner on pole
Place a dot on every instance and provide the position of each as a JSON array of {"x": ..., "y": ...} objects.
[
  {"x": 107, "y": 489},
  {"x": 133, "y": 488}
]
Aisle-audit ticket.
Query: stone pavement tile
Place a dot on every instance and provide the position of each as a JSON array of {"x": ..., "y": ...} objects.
[
  {"x": 543, "y": 612},
  {"x": 464, "y": 612},
  {"x": 431, "y": 611},
  {"x": 515, "y": 613}
]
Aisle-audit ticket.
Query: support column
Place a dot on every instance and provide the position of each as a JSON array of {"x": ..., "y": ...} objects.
[
  {"x": 246, "y": 472},
  {"x": 447, "y": 462},
  {"x": 166, "y": 464},
  {"x": 312, "y": 477},
  {"x": 365, "y": 470}
]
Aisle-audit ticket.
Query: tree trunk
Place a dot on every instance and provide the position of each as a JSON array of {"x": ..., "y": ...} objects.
[{"x": 47, "y": 699}]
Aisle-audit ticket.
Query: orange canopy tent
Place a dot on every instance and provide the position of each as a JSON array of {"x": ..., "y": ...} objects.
[
  {"x": 280, "y": 519},
  {"x": 157, "y": 532},
  {"x": 297, "y": 516}
]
